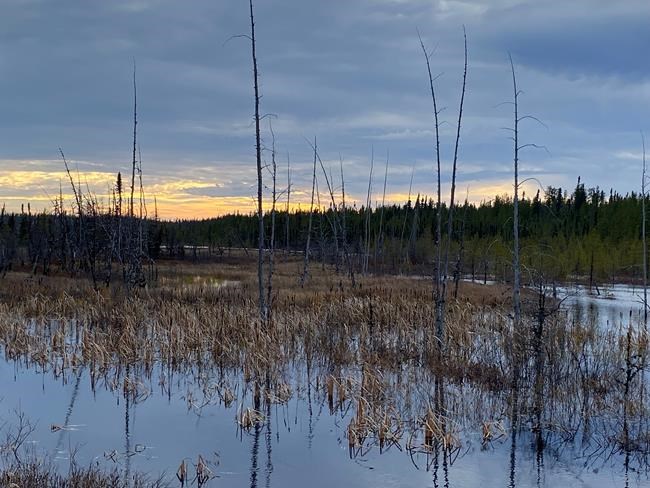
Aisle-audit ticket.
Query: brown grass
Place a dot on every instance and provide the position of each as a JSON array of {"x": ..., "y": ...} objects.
[{"x": 367, "y": 350}]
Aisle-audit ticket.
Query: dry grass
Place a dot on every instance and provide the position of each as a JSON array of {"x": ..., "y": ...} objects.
[{"x": 367, "y": 351}]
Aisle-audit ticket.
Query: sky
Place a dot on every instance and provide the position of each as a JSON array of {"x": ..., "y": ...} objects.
[{"x": 349, "y": 72}]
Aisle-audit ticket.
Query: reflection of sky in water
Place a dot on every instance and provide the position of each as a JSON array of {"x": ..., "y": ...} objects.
[
  {"x": 165, "y": 432},
  {"x": 611, "y": 307},
  {"x": 303, "y": 445}
]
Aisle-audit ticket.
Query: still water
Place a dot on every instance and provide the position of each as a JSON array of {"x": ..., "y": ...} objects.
[{"x": 179, "y": 416}]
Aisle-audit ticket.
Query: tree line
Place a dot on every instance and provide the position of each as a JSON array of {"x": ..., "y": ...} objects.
[
  {"x": 584, "y": 233},
  {"x": 578, "y": 233}
]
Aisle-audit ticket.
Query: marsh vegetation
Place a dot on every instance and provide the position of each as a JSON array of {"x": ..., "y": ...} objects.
[
  {"x": 360, "y": 360},
  {"x": 334, "y": 345}
]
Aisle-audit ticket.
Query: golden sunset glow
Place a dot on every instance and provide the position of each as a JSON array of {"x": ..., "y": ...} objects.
[{"x": 193, "y": 198}]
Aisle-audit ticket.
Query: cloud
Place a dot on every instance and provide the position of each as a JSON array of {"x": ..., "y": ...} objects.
[{"x": 350, "y": 73}]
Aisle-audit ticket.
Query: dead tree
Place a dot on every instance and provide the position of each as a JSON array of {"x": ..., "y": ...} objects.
[
  {"x": 134, "y": 275},
  {"x": 414, "y": 230},
  {"x": 269, "y": 295},
  {"x": 258, "y": 158},
  {"x": 118, "y": 215},
  {"x": 288, "y": 201},
  {"x": 406, "y": 214},
  {"x": 305, "y": 270},
  {"x": 142, "y": 217},
  {"x": 450, "y": 219},
  {"x": 366, "y": 253},
  {"x": 334, "y": 221},
  {"x": 643, "y": 232},
  {"x": 461, "y": 250},
  {"x": 135, "y": 144},
  {"x": 380, "y": 238},
  {"x": 516, "y": 292},
  {"x": 344, "y": 236},
  {"x": 321, "y": 233},
  {"x": 438, "y": 270},
  {"x": 76, "y": 190}
]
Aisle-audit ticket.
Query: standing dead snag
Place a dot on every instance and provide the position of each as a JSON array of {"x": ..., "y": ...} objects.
[
  {"x": 645, "y": 245},
  {"x": 135, "y": 133},
  {"x": 134, "y": 273},
  {"x": 379, "y": 242},
  {"x": 311, "y": 218},
  {"x": 334, "y": 221},
  {"x": 344, "y": 236},
  {"x": 516, "y": 292},
  {"x": 450, "y": 220},
  {"x": 366, "y": 253},
  {"x": 79, "y": 201},
  {"x": 258, "y": 157},
  {"x": 406, "y": 214},
  {"x": 269, "y": 295},
  {"x": 438, "y": 270},
  {"x": 442, "y": 268},
  {"x": 461, "y": 251},
  {"x": 288, "y": 202}
]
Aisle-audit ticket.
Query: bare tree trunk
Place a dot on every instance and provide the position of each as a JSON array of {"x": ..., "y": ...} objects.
[
  {"x": 321, "y": 235},
  {"x": 344, "y": 232},
  {"x": 288, "y": 201},
  {"x": 516, "y": 292},
  {"x": 450, "y": 220},
  {"x": 135, "y": 125},
  {"x": 119, "y": 215},
  {"x": 258, "y": 157},
  {"x": 461, "y": 251},
  {"x": 76, "y": 189},
  {"x": 143, "y": 208},
  {"x": 379, "y": 242},
  {"x": 414, "y": 230},
  {"x": 269, "y": 296},
  {"x": 134, "y": 272},
  {"x": 367, "y": 225},
  {"x": 305, "y": 270},
  {"x": 643, "y": 231},
  {"x": 408, "y": 201},
  {"x": 334, "y": 222},
  {"x": 438, "y": 270}
]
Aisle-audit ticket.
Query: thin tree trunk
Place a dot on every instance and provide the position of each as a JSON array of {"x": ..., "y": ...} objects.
[
  {"x": 438, "y": 270},
  {"x": 288, "y": 201},
  {"x": 258, "y": 158},
  {"x": 135, "y": 133},
  {"x": 461, "y": 251},
  {"x": 643, "y": 231},
  {"x": 380, "y": 238},
  {"x": 367, "y": 225},
  {"x": 334, "y": 223},
  {"x": 344, "y": 232},
  {"x": 450, "y": 221},
  {"x": 321, "y": 235},
  {"x": 269, "y": 296},
  {"x": 516, "y": 292},
  {"x": 408, "y": 201},
  {"x": 305, "y": 270}
]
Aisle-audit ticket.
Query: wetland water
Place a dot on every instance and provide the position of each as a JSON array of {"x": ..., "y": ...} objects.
[{"x": 300, "y": 440}]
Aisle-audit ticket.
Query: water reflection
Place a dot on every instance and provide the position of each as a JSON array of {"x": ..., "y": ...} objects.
[{"x": 408, "y": 427}]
